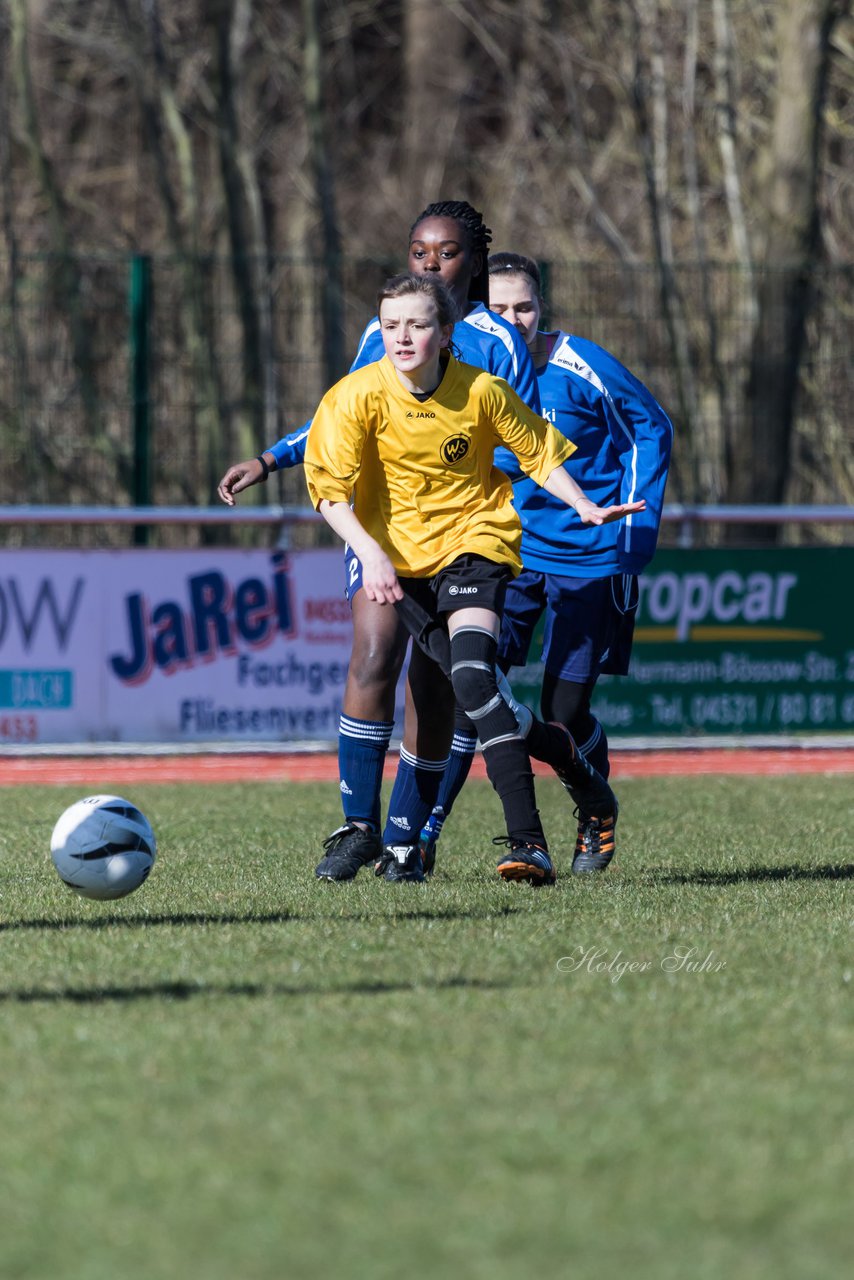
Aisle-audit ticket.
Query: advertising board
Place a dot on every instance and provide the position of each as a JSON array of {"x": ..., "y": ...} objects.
[
  {"x": 172, "y": 646},
  {"x": 253, "y": 646},
  {"x": 734, "y": 642}
]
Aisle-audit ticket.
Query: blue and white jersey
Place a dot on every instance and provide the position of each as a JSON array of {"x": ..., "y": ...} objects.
[
  {"x": 481, "y": 338},
  {"x": 623, "y": 439}
]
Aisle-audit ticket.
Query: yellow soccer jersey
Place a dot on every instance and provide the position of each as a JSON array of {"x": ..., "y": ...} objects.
[{"x": 427, "y": 489}]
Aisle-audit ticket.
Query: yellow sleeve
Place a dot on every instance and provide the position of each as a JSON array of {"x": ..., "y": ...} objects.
[
  {"x": 539, "y": 447},
  {"x": 333, "y": 452}
]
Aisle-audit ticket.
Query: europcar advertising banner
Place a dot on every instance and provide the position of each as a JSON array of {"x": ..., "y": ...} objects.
[
  {"x": 741, "y": 642},
  {"x": 253, "y": 646},
  {"x": 172, "y": 646}
]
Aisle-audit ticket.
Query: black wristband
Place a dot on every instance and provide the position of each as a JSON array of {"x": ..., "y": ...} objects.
[{"x": 265, "y": 464}]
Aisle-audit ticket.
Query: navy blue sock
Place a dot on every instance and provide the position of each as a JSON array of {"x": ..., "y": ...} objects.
[
  {"x": 362, "y": 747},
  {"x": 413, "y": 797},
  {"x": 595, "y": 749},
  {"x": 459, "y": 763}
]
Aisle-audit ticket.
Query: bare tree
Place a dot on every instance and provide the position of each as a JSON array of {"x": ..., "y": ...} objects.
[
  {"x": 324, "y": 193},
  {"x": 789, "y": 234},
  {"x": 438, "y": 82},
  {"x": 66, "y": 276},
  {"x": 650, "y": 100},
  {"x": 169, "y": 142},
  {"x": 10, "y": 270}
]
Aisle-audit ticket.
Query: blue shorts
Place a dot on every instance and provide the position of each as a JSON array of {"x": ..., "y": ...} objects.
[
  {"x": 353, "y": 571},
  {"x": 589, "y": 623}
]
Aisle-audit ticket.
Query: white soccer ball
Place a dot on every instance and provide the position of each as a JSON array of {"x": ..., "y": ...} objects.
[{"x": 103, "y": 847}]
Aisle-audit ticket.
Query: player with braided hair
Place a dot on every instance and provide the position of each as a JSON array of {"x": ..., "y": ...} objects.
[
  {"x": 479, "y": 238},
  {"x": 448, "y": 240}
]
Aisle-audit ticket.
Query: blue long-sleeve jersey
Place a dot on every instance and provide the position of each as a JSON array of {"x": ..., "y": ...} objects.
[
  {"x": 480, "y": 338},
  {"x": 624, "y": 439}
]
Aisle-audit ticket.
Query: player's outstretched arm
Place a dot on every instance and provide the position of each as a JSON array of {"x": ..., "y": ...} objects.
[
  {"x": 379, "y": 580},
  {"x": 589, "y": 513},
  {"x": 241, "y": 475},
  {"x": 561, "y": 484}
]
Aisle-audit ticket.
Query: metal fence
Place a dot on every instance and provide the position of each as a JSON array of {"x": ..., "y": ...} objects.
[
  {"x": 127, "y": 380},
  {"x": 682, "y": 525}
]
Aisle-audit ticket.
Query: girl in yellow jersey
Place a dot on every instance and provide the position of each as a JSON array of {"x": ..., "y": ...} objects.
[{"x": 409, "y": 442}]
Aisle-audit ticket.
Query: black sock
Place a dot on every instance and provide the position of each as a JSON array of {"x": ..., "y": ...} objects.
[
  {"x": 509, "y": 768},
  {"x": 551, "y": 744}
]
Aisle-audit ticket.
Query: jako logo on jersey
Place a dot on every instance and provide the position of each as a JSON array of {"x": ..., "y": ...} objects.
[
  {"x": 216, "y": 615},
  {"x": 454, "y": 449},
  {"x": 462, "y": 591},
  {"x": 421, "y": 413}
]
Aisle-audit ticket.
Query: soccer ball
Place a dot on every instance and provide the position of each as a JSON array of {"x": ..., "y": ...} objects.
[{"x": 103, "y": 847}]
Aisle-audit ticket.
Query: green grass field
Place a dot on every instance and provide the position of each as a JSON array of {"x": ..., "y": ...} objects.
[{"x": 240, "y": 1073}]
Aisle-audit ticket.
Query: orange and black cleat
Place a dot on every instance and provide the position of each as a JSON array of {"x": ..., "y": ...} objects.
[
  {"x": 594, "y": 844},
  {"x": 525, "y": 861}
]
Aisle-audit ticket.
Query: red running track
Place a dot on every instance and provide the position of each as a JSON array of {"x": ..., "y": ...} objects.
[{"x": 120, "y": 770}]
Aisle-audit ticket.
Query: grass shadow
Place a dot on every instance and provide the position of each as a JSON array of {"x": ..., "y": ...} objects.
[
  {"x": 250, "y": 990},
  {"x": 275, "y": 917},
  {"x": 752, "y": 875}
]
